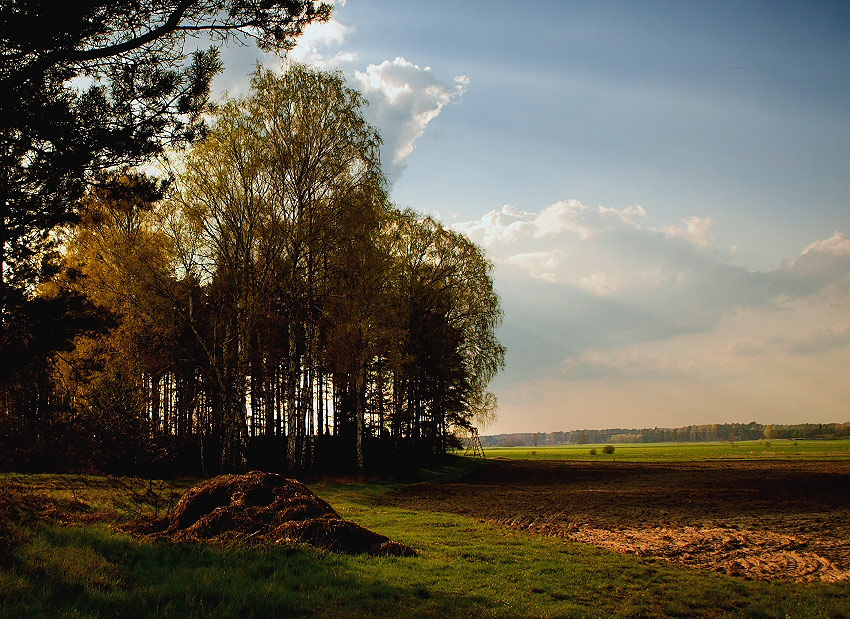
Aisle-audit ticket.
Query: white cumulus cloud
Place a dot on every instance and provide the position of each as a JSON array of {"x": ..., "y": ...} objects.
[
  {"x": 404, "y": 99},
  {"x": 538, "y": 264},
  {"x": 317, "y": 38},
  {"x": 575, "y": 279},
  {"x": 610, "y": 250},
  {"x": 565, "y": 216},
  {"x": 502, "y": 226},
  {"x": 693, "y": 229},
  {"x": 837, "y": 245}
]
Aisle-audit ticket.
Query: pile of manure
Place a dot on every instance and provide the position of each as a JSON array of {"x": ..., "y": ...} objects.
[{"x": 261, "y": 507}]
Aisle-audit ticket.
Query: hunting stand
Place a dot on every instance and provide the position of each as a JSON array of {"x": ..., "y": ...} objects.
[{"x": 474, "y": 445}]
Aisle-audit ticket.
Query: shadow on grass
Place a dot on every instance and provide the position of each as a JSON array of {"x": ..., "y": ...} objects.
[
  {"x": 96, "y": 572},
  {"x": 465, "y": 568}
]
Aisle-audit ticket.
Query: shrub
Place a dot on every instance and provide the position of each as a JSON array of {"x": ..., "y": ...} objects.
[
  {"x": 593, "y": 452},
  {"x": 608, "y": 449}
]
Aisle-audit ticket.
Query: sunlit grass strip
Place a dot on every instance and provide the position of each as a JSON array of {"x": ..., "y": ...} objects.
[{"x": 684, "y": 452}]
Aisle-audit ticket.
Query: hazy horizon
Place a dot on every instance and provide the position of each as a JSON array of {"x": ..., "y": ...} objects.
[{"x": 601, "y": 429}]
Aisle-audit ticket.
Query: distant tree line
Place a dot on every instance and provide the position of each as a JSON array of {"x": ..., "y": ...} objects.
[
  {"x": 262, "y": 305},
  {"x": 686, "y": 434}
]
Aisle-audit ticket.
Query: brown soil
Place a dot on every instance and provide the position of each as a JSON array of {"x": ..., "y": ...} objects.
[
  {"x": 759, "y": 520},
  {"x": 262, "y": 507}
]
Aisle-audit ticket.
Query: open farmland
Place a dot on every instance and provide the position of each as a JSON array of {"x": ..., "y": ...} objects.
[
  {"x": 495, "y": 538},
  {"x": 780, "y": 449},
  {"x": 756, "y": 510}
]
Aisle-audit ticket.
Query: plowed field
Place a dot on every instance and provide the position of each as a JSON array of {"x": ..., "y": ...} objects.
[{"x": 758, "y": 519}]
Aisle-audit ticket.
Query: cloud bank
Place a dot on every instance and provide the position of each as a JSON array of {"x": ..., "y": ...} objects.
[{"x": 609, "y": 315}]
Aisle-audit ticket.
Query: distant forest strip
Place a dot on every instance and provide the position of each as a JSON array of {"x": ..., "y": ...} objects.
[
  {"x": 686, "y": 434},
  {"x": 259, "y": 304}
]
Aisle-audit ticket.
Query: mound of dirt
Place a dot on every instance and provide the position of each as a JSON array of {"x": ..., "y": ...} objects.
[{"x": 261, "y": 506}]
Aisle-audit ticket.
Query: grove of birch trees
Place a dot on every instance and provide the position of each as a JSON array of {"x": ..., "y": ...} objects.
[{"x": 267, "y": 306}]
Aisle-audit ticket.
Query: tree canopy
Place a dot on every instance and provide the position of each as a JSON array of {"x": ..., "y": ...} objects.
[
  {"x": 308, "y": 320},
  {"x": 264, "y": 306},
  {"x": 91, "y": 86}
]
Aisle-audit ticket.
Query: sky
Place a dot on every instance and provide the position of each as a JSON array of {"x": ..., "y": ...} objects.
[{"x": 663, "y": 189}]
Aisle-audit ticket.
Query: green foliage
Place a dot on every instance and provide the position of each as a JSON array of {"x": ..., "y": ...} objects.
[
  {"x": 592, "y": 451},
  {"x": 694, "y": 433},
  {"x": 270, "y": 277},
  {"x": 90, "y": 87},
  {"x": 608, "y": 449},
  {"x": 276, "y": 259}
]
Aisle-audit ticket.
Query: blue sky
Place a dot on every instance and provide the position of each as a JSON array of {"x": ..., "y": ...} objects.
[{"x": 662, "y": 186}]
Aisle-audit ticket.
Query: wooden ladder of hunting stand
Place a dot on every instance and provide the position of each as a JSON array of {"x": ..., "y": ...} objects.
[{"x": 474, "y": 445}]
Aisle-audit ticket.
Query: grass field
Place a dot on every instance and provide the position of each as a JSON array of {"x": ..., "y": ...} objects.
[
  {"x": 466, "y": 567},
  {"x": 685, "y": 452}
]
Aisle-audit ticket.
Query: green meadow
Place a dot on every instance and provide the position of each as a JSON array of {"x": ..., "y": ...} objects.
[
  {"x": 780, "y": 449},
  {"x": 465, "y": 567}
]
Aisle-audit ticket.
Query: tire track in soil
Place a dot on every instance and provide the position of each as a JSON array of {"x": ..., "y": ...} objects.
[{"x": 758, "y": 520}]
